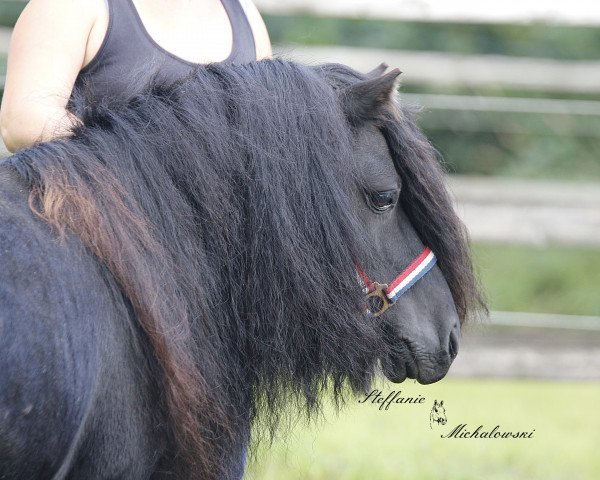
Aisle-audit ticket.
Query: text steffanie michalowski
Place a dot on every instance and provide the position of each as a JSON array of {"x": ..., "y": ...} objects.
[{"x": 462, "y": 431}]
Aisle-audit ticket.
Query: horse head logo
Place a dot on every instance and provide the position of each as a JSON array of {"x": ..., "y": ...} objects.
[{"x": 438, "y": 414}]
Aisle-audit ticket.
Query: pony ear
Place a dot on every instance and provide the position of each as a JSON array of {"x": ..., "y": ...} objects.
[
  {"x": 434, "y": 403},
  {"x": 363, "y": 100},
  {"x": 378, "y": 71},
  {"x": 442, "y": 403}
]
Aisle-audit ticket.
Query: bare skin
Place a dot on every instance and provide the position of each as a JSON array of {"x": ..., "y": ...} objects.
[{"x": 54, "y": 39}]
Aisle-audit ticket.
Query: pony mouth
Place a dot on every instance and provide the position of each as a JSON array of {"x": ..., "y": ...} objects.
[
  {"x": 399, "y": 366},
  {"x": 404, "y": 364},
  {"x": 397, "y": 373},
  {"x": 412, "y": 370}
]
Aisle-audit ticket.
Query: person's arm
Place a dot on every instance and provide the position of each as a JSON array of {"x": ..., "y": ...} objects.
[
  {"x": 261, "y": 36},
  {"x": 46, "y": 53}
]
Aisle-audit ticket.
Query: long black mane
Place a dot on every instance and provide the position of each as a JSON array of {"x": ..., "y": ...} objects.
[{"x": 219, "y": 205}]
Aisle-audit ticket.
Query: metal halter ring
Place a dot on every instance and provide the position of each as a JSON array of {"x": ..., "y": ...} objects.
[{"x": 378, "y": 291}]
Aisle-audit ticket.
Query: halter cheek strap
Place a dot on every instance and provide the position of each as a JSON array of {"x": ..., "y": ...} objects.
[{"x": 388, "y": 295}]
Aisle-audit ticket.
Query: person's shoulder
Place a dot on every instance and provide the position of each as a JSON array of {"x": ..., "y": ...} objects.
[{"x": 56, "y": 21}]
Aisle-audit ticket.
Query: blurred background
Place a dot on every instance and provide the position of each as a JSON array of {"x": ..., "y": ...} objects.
[{"x": 510, "y": 96}]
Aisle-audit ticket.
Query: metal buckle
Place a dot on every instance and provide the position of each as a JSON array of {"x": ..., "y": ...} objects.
[{"x": 378, "y": 292}]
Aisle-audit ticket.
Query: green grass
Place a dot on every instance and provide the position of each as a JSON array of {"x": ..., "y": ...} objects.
[
  {"x": 534, "y": 40},
  {"x": 516, "y": 145},
  {"x": 563, "y": 280},
  {"x": 365, "y": 443}
]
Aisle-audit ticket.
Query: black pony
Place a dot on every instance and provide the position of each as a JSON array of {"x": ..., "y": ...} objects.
[{"x": 185, "y": 263}]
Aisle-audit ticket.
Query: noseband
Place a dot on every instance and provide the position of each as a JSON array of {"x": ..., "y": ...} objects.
[{"x": 380, "y": 296}]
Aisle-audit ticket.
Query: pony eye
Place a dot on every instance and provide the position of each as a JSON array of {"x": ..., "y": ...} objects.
[{"x": 381, "y": 201}]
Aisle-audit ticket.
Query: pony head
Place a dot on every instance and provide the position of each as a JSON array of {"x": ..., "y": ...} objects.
[{"x": 403, "y": 205}]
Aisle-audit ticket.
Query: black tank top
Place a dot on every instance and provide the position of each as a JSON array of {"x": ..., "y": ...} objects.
[{"x": 129, "y": 54}]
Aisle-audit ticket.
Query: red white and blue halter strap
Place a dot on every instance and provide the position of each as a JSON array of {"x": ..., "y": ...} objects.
[{"x": 389, "y": 294}]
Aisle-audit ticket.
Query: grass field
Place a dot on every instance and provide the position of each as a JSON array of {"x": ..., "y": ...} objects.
[
  {"x": 563, "y": 280},
  {"x": 532, "y": 40},
  {"x": 366, "y": 443}
]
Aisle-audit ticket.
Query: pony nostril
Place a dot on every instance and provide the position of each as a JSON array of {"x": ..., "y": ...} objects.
[{"x": 453, "y": 344}]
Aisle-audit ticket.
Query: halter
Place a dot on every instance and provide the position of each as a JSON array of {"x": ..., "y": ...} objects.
[{"x": 388, "y": 295}]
